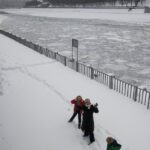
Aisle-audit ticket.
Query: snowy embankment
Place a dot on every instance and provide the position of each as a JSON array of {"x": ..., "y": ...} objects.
[
  {"x": 35, "y": 106},
  {"x": 120, "y": 15}
]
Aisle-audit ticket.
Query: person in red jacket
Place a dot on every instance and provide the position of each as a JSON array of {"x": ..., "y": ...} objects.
[{"x": 78, "y": 103}]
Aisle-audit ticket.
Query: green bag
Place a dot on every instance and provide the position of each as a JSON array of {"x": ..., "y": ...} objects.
[{"x": 114, "y": 146}]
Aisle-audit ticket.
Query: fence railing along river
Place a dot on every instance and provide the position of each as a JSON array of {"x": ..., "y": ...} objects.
[{"x": 132, "y": 91}]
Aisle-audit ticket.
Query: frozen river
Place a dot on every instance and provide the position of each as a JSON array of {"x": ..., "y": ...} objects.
[{"x": 110, "y": 46}]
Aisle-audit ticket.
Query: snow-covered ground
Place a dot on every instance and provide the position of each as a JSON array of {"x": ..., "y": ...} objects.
[{"x": 35, "y": 94}]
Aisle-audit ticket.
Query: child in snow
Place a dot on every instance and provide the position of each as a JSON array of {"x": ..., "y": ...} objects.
[
  {"x": 78, "y": 103},
  {"x": 88, "y": 120},
  {"x": 112, "y": 144}
]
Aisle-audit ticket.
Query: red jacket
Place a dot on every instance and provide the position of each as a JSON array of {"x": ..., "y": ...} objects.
[{"x": 77, "y": 107}]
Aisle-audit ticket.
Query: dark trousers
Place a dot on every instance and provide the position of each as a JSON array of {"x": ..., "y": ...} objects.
[
  {"x": 74, "y": 115},
  {"x": 92, "y": 139},
  {"x": 91, "y": 135}
]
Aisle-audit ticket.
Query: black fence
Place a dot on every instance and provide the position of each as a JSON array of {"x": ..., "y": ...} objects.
[{"x": 134, "y": 92}]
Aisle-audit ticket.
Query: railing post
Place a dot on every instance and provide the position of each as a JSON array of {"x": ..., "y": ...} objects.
[
  {"x": 36, "y": 48},
  {"x": 135, "y": 93},
  {"x": 148, "y": 101},
  {"x": 55, "y": 54},
  {"x": 92, "y": 72},
  {"x": 111, "y": 77},
  {"x": 77, "y": 66},
  {"x": 65, "y": 62},
  {"x": 144, "y": 91}
]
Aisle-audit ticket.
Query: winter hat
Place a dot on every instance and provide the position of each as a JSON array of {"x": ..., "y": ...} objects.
[
  {"x": 109, "y": 140},
  {"x": 87, "y": 101}
]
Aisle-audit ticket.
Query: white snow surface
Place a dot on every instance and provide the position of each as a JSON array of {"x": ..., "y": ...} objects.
[
  {"x": 121, "y": 15},
  {"x": 35, "y": 94}
]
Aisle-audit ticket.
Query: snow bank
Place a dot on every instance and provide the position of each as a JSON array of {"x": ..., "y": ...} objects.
[{"x": 121, "y": 15}]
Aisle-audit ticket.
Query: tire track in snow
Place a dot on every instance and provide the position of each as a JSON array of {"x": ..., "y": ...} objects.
[
  {"x": 24, "y": 70},
  {"x": 20, "y": 67},
  {"x": 44, "y": 82}
]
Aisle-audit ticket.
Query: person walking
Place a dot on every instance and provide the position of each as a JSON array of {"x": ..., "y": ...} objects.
[
  {"x": 112, "y": 144},
  {"x": 88, "y": 119},
  {"x": 78, "y": 103}
]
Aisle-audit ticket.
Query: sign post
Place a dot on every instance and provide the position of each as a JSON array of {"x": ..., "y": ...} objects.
[{"x": 75, "y": 44}]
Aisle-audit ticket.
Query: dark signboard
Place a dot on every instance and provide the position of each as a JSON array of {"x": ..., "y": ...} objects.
[{"x": 74, "y": 43}]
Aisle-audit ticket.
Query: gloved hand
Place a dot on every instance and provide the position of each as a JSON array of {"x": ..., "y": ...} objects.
[{"x": 96, "y": 104}]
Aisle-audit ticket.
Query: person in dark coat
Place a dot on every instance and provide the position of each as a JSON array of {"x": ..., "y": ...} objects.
[
  {"x": 78, "y": 103},
  {"x": 112, "y": 144},
  {"x": 88, "y": 120}
]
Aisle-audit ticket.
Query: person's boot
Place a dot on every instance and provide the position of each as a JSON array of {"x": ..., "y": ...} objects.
[
  {"x": 92, "y": 139},
  {"x": 85, "y": 134},
  {"x": 91, "y": 142},
  {"x": 69, "y": 121},
  {"x": 79, "y": 126}
]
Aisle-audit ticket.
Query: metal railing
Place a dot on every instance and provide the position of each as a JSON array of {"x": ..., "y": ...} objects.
[{"x": 134, "y": 92}]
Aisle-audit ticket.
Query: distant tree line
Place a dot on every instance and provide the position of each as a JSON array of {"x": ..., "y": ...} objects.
[
  {"x": 113, "y": 2},
  {"x": 32, "y": 3},
  {"x": 127, "y": 3}
]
